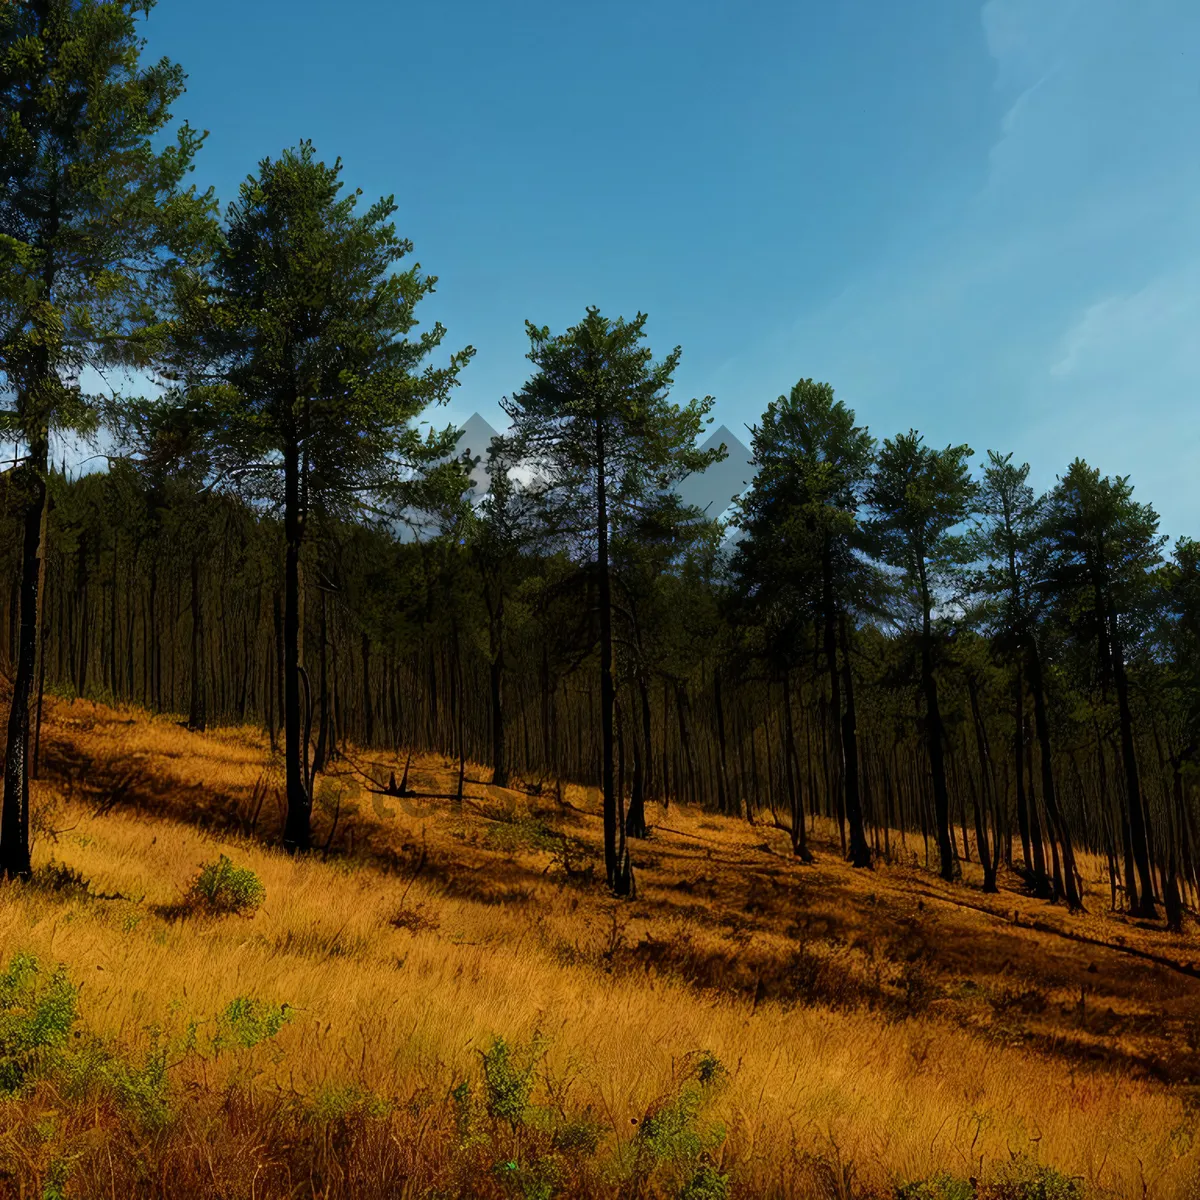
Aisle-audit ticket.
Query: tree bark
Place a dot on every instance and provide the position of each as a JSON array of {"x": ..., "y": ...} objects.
[
  {"x": 1145, "y": 906},
  {"x": 14, "y": 812},
  {"x": 296, "y": 708},
  {"x": 617, "y": 869},
  {"x": 197, "y": 708},
  {"x": 1049, "y": 792},
  {"x": 860, "y": 850}
]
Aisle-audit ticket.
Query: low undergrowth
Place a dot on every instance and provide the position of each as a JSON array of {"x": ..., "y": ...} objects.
[{"x": 82, "y": 1116}]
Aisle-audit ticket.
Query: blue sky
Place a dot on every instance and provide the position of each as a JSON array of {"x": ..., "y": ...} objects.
[{"x": 980, "y": 220}]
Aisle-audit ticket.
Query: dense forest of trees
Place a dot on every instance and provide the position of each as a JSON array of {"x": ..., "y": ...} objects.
[{"x": 935, "y": 657}]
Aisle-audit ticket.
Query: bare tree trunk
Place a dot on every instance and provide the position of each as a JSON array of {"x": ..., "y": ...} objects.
[
  {"x": 795, "y": 798},
  {"x": 297, "y": 707},
  {"x": 14, "y": 813},
  {"x": 860, "y": 851},
  {"x": 197, "y": 708}
]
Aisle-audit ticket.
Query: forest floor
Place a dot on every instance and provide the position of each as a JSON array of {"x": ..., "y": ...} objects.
[{"x": 446, "y": 1002}]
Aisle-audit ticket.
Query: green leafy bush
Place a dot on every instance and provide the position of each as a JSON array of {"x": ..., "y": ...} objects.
[
  {"x": 508, "y": 1078},
  {"x": 577, "y": 1135},
  {"x": 37, "y": 1012},
  {"x": 706, "y": 1184},
  {"x": 1023, "y": 1178},
  {"x": 246, "y": 1022},
  {"x": 673, "y": 1144},
  {"x": 941, "y": 1186},
  {"x": 220, "y": 887}
]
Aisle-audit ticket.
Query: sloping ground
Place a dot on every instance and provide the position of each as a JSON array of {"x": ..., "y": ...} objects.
[{"x": 871, "y": 1028}]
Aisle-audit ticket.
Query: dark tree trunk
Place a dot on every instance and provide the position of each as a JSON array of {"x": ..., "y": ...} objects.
[
  {"x": 990, "y": 861},
  {"x": 368, "y": 706},
  {"x": 14, "y": 813},
  {"x": 1019, "y": 755},
  {"x": 297, "y": 704},
  {"x": 155, "y": 646},
  {"x": 934, "y": 735},
  {"x": 197, "y": 708},
  {"x": 113, "y": 679},
  {"x": 1049, "y": 792},
  {"x": 723, "y": 798},
  {"x": 617, "y": 867},
  {"x": 635, "y": 819},
  {"x": 322, "y": 753},
  {"x": 860, "y": 851},
  {"x": 496, "y": 691},
  {"x": 795, "y": 795},
  {"x": 1139, "y": 840},
  {"x": 82, "y": 592}
]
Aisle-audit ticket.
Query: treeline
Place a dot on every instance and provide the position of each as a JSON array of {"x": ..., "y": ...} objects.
[
  {"x": 724, "y": 696},
  {"x": 911, "y": 648}
]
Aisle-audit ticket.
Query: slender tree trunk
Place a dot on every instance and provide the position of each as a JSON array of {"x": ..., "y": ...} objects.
[
  {"x": 795, "y": 795},
  {"x": 322, "y": 752},
  {"x": 296, "y": 705},
  {"x": 1133, "y": 791},
  {"x": 934, "y": 735},
  {"x": 617, "y": 869},
  {"x": 990, "y": 861},
  {"x": 14, "y": 813},
  {"x": 368, "y": 706},
  {"x": 197, "y": 708},
  {"x": 635, "y": 819},
  {"x": 496, "y": 692},
  {"x": 860, "y": 851},
  {"x": 155, "y": 647},
  {"x": 1049, "y": 792},
  {"x": 723, "y": 798}
]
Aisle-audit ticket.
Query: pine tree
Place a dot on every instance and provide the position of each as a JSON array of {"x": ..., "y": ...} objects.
[
  {"x": 1014, "y": 543},
  {"x": 803, "y": 536},
  {"x": 1105, "y": 550},
  {"x": 94, "y": 226},
  {"x": 595, "y": 424},
  {"x": 314, "y": 381},
  {"x": 920, "y": 496}
]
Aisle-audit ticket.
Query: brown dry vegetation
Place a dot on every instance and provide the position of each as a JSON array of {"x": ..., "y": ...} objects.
[{"x": 873, "y": 1028}]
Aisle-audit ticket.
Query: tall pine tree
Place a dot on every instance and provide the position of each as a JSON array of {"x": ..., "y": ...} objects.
[
  {"x": 597, "y": 427},
  {"x": 94, "y": 227}
]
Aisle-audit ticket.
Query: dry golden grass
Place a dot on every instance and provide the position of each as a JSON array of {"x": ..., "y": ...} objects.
[{"x": 875, "y": 1028}]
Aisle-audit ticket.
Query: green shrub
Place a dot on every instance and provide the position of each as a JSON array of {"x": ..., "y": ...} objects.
[
  {"x": 578, "y": 1136},
  {"x": 669, "y": 1133},
  {"x": 1023, "y": 1178},
  {"x": 220, "y": 887},
  {"x": 246, "y": 1022},
  {"x": 710, "y": 1070},
  {"x": 706, "y": 1184},
  {"x": 464, "y": 1112},
  {"x": 141, "y": 1087},
  {"x": 521, "y": 833},
  {"x": 37, "y": 1012},
  {"x": 57, "y": 1174},
  {"x": 941, "y": 1186},
  {"x": 673, "y": 1144},
  {"x": 508, "y": 1078}
]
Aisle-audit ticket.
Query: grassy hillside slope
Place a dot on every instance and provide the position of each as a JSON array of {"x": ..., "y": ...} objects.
[{"x": 446, "y": 1003}]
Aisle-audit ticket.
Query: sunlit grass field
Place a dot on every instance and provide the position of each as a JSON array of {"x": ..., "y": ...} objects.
[{"x": 444, "y": 1002}]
